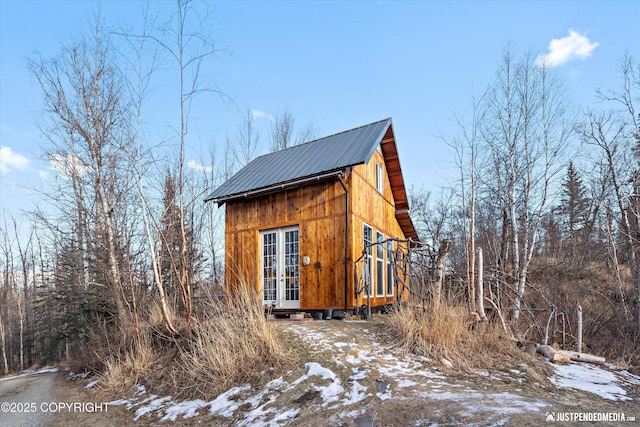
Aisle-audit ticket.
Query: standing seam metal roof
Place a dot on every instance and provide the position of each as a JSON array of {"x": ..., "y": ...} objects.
[{"x": 321, "y": 156}]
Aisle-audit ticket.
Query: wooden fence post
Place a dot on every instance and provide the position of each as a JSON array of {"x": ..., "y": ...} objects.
[{"x": 579, "y": 329}]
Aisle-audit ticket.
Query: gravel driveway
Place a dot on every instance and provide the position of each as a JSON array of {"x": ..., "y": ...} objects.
[{"x": 27, "y": 400}]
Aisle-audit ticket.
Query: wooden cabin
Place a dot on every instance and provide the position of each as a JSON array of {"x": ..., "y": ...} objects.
[{"x": 297, "y": 219}]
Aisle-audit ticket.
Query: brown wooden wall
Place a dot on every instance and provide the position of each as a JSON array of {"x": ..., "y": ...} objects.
[
  {"x": 319, "y": 211},
  {"x": 376, "y": 210}
]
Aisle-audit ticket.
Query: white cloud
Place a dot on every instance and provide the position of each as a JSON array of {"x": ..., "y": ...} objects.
[
  {"x": 10, "y": 160},
  {"x": 258, "y": 114},
  {"x": 561, "y": 51},
  {"x": 192, "y": 164},
  {"x": 67, "y": 165}
]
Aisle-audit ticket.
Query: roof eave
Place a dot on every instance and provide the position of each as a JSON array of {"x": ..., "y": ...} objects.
[
  {"x": 324, "y": 176},
  {"x": 396, "y": 180}
]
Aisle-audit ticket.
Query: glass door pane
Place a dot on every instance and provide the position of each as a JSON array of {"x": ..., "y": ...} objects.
[
  {"x": 291, "y": 266},
  {"x": 269, "y": 266}
]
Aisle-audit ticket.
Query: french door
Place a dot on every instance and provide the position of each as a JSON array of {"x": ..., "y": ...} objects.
[{"x": 280, "y": 267}]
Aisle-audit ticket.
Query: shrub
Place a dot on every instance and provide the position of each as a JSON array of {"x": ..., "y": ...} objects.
[
  {"x": 232, "y": 344},
  {"x": 448, "y": 332}
]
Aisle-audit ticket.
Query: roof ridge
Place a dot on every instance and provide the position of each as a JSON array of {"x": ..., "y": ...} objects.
[
  {"x": 344, "y": 131},
  {"x": 321, "y": 138}
]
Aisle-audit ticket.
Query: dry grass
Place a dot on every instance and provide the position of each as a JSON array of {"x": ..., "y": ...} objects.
[
  {"x": 448, "y": 332},
  {"x": 233, "y": 345},
  {"x": 128, "y": 369}
]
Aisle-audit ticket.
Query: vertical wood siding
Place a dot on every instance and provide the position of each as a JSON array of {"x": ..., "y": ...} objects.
[
  {"x": 376, "y": 210},
  {"x": 319, "y": 211}
]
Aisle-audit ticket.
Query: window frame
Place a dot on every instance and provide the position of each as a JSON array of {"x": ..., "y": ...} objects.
[
  {"x": 390, "y": 276},
  {"x": 379, "y": 178},
  {"x": 367, "y": 266},
  {"x": 380, "y": 265}
]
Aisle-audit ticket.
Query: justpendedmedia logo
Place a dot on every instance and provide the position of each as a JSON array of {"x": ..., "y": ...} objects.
[{"x": 590, "y": 417}]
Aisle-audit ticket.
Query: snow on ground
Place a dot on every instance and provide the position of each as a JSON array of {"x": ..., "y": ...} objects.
[
  {"x": 374, "y": 373},
  {"x": 594, "y": 379},
  {"x": 92, "y": 384},
  {"x": 28, "y": 372}
]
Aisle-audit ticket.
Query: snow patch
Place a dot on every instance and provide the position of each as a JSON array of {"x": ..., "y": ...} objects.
[
  {"x": 225, "y": 407},
  {"x": 29, "y": 372},
  {"x": 590, "y": 378},
  {"x": 406, "y": 383},
  {"x": 186, "y": 409},
  {"x": 92, "y": 384},
  {"x": 498, "y": 403},
  {"x": 155, "y": 405}
]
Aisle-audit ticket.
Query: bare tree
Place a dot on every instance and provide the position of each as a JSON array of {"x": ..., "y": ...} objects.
[
  {"x": 465, "y": 149},
  {"x": 187, "y": 43},
  {"x": 433, "y": 218},
  {"x": 282, "y": 131},
  {"x": 5, "y": 292},
  {"x": 89, "y": 128},
  {"x": 143, "y": 65},
  {"x": 617, "y": 134},
  {"x": 21, "y": 294},
  {"x": 284, "y": 134},
  {"x": 246, "y": 142},
  {"x": 526, "y": 128}
]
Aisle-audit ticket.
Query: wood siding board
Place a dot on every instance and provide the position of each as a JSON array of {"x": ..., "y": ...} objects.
[{"x": 338, "y": 256}]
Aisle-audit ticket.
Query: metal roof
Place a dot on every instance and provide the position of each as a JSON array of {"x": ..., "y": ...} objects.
[{"x": 302, "y": 162}]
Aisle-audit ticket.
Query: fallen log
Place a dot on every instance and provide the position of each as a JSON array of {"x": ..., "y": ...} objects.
[
  {"x": 564, "y": 356},
  {"x": 552, "y": 354},
  {"x": 582, "y": 357}
]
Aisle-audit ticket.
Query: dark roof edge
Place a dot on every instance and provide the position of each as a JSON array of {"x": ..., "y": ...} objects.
[
  {"x": 380, "y": 137},
  {"x": 280, "y": 186}
]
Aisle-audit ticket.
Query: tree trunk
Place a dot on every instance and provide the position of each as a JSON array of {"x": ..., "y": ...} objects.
[
  {"x": 626, "y": 228},
  {"x": 156, "y": 268},
  {"x": 481, "y": 311},
  {"x": 113, "y": 266},
  {"x": 4, "y": 349},
  {"x": 472, "y": 246},
  {"x": 442, "y": 255}
]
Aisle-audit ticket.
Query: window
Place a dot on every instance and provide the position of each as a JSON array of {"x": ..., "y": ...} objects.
[
  {"x": 379, "y": 265},
  {"x": 379, "y": 178},
  {"x": 292, "y": 265},
  {"x": 390, "y": 275},
  {"x": 367, "y": 265},
  {"x": 269, "y": 266}
]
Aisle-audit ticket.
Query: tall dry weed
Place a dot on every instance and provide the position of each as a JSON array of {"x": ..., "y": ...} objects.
[
  {"x": 232, "y": 344},
  {"x": 446, "y": 331},
  {"x": 123, "y": 371}
]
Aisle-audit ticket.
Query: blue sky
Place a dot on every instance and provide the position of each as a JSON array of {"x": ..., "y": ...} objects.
[{"x": 336, "y": 64}]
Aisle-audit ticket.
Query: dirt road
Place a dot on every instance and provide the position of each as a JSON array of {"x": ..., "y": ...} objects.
[{"x": 28, "y": 400}]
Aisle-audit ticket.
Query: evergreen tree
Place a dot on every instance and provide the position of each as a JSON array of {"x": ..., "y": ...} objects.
[
  {"x": 574, "y": 208},
  {"x": 171, "y": 262}
]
